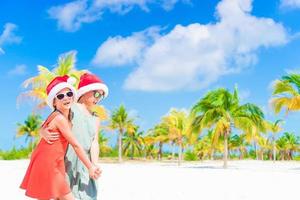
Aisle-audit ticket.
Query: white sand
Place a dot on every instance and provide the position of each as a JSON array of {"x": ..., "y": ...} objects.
[{"x": 244, "y": 180}]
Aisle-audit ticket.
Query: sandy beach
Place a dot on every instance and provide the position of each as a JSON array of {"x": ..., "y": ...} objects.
[{"x": 243, "y": 180}]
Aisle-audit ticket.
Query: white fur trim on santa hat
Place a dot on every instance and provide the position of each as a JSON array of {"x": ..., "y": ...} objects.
[
  {"x": 71, "y": 80},
  {"x": 58, "y": 88},
  {"x": 94, "y": 86}
]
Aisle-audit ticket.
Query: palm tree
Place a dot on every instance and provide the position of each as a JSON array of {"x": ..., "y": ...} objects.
[
  {"x": 254, "y": 134},
  {"x": 38, "y": 84},
  {"x": 292, "y": 144},
  {"x": 100, "y": 112},
  {"x": 238, "y": 142},
  {"x": 30, "y": 129},
  {"x": 103, "y": 146},
  {"x": 179, "y": 125},
  {"x": 150, "y": 149},
  {"x": 265, "y": 147},
  {"x": 281, "y": 144},
  {"x": 221, "y": 110},
  {"x": 286, "y": 92},
  {"x": 160, "y": 134},
  {"x": 120, "y": 121},
  {"x": 203, "y": 147},
  {"x": 274, "y": 128},
  {"x": 133, "y": 142}
]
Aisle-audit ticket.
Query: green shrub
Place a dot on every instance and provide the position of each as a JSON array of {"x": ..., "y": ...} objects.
[
  {"x": 190, "y": 156},
  {"x": 15, "y": 154},
  {"x": 112, "y": 153}
]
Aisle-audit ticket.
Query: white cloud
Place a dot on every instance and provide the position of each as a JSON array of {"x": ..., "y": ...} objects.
[
  {"x": 71, "y": 16},
  {"x": 290, "y": 3},
  {"x": 111, "y": 52},
  {"x": 8, "y": 36},
  {"x": 18, "y": 70},
  {"x": 197, "y": 55},
  {"x": 124, "y": 6}
]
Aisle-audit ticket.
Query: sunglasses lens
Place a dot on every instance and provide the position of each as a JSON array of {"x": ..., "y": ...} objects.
[
  {"x": 70, "y": 94},
  {"x": 97, "y": 94},
  {"x": 60, "y": 96}
]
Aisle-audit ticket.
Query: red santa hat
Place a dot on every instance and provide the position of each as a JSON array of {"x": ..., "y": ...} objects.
[
  {"x": 89, "y": 82},
  {"x": 57, "y": 84}
]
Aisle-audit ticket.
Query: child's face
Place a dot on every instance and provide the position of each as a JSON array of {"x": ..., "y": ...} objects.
[
  {"x": 64, "y": 99},
  {"x": 92, "y": 97}
]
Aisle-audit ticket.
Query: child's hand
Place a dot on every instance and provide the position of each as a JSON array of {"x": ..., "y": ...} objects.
[
  {"x": 98, "y": 173},
  {"x": 48, "y": 136},
  {"x": 94, "y": 172}
]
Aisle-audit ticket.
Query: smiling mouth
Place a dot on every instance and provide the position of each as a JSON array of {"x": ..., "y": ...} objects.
[{"x": 67, "y": 103}]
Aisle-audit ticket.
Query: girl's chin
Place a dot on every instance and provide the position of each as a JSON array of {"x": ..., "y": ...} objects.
[{"x": 65, "y": 107}]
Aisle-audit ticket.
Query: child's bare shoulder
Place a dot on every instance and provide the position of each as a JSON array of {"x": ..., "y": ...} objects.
[{"x": 58, "y": 118}]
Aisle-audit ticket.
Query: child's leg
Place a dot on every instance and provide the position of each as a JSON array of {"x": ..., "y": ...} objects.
[{"x": 67, "y": 197}]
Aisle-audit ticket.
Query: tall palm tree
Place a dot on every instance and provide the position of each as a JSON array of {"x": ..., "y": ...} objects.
[
  {"x": 160, "y": 134},
  {"x": 238, "y": 142},
  {"x": 274, "y": 128},
  {"x": 37, "y": 85},
  {"x": 265, "y": 146},
  {"x": 292, "y": 144},
  {"x": 281, "y": 145},
  {"x": 180, "y": 128},
  {"x": 121, "y": 122},
  {"x": 286, "y": 93},
  {"x": 30, "y": 129},
  {"x": 133, "y": 142},
  {"x": 254, "y": 134},
  {"x": 221, "y": 110},
  {"x": 150, "y": 149},
  {"x": 203, "y": 147}
]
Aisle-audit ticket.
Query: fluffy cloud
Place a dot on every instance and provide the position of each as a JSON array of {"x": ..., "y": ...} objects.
[
  {"x": 111, "y": 53},
  {"x": 290, "y": 3},
  {"x": 197, "y": 55},
  {"x": 71, "y": 16},
  {"x": 8, "y": 36}
]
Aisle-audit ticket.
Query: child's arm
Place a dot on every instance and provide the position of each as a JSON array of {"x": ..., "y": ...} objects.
[
  {"x": 95, "y": 145},
  {"x": 63, "y": 126}
]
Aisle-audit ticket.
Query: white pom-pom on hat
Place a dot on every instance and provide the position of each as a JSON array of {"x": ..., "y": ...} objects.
[{"x": 71, "y": 80}]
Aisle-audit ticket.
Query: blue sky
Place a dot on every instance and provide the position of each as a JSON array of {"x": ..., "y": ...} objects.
[{"x": 153, "y": 54}]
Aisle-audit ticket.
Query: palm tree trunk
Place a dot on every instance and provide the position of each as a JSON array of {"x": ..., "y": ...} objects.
[
  {"x": 282, "y": 155},
  {"x": 173, "y": 150},
  {"x": 132, "y": 153},
  {"x": 274, "y": 153},
  {"x": 241, "y": 154},
  {"x": 274, "y": 149},
  {"x": 120, "y": 144},
  {"x": 160, "y": 151},
  {"x": 291, "y": 154},
  {"x": 256, "y": 150},
  {"x": 225, "y": 156},
  {"x": 180, "y": 152},
  {"x": 32, "y": 143},
  {"x": 212, "y": 154}
]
